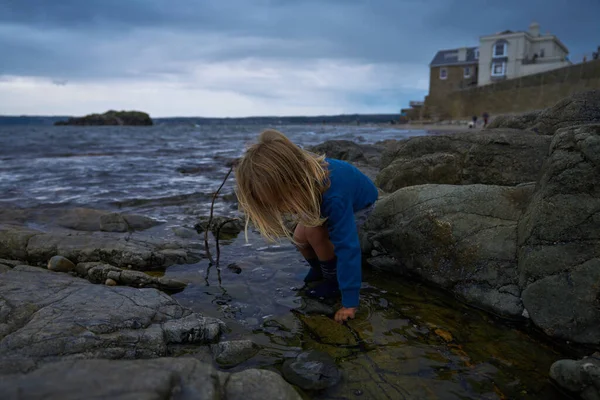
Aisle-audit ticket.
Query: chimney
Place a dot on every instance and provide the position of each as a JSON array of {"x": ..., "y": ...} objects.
[
  {"x": 534, "y": 29},
  {"x": 462, "y": 54}
]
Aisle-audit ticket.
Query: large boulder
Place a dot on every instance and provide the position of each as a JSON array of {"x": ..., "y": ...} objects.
[
  {"x": 559, "y": 239},
  {"x": 462, "y": 238},
  {"x": 181, "y": 378},
  {"x": 504, "y": 157},
  {"x": 581, "y": 377},
  {"x": 578, "y": 109},
  {"x": 47, "y": 316}
]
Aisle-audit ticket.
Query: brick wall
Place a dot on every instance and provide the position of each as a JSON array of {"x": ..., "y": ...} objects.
[{"x": 532, "y": 92}]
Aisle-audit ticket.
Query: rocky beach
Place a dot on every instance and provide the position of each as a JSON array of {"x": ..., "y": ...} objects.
[{"x": 482, "y": 266}]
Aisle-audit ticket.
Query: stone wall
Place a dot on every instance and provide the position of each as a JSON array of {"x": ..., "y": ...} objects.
[{"x": 518, "y": 95}]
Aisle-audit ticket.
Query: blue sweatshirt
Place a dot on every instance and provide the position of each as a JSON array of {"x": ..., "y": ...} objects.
[{"x": 349, "y": 191}]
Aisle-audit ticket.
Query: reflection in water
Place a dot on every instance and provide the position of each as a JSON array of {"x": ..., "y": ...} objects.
[{"x": 407, "y": 342}]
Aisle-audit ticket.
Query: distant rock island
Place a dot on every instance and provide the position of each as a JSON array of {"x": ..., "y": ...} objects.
[{"x": 136, "y": 118}]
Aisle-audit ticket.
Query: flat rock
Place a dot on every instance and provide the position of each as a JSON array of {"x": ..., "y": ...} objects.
[
  {"x": 188, "y": 378},
  {"x": 312, "y": 370},
  {"x": 86, "y": 219},
  {"x": 581, "y": 377},
  {"x": 48, "y": 316},
  {"x": 234, "y": 352},
  {"x": 37, "y": 247}
]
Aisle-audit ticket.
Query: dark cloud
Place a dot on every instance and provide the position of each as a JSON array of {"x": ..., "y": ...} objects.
[{"x": 152, "y": 40}]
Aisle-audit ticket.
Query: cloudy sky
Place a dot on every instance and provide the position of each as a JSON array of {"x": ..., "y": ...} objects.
[{"x": 249, "y": 57}]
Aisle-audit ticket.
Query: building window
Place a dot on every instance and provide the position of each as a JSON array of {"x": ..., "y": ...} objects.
[
  {"x": 477, "y": 54},
  {"x": 499, "y": 69},
  {"x": 443, "y": 73},
  {"x": 467, "y": 73},
  {"x": 500, "y": 50}
]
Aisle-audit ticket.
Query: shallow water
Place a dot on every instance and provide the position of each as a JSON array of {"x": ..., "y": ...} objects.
[{"x": 407, "y": 342}]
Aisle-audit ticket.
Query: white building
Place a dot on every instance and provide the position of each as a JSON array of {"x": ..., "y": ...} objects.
[{"x": 509, "y": 55}]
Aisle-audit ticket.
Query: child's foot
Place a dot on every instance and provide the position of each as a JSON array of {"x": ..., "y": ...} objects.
[
  {"x": 314, "y": 275},
  {"x": 326, "y": 290}
]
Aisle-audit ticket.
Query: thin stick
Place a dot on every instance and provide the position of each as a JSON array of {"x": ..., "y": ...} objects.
[
  {"x": 219, "y": 234},
  {"x": 212, "y": 207}
]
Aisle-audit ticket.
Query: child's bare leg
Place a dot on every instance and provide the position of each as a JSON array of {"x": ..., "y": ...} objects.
[
  {"x": 302, "y": 242},
  {"x": 318, "y": 239}
]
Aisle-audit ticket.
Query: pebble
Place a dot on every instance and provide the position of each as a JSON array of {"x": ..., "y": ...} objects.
[
  {"x": 110, "y": 282},
  {"x": 60, "y": 264}
]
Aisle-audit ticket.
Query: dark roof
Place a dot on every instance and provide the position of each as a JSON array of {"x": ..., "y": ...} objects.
[{"x": 450, "y": 57}]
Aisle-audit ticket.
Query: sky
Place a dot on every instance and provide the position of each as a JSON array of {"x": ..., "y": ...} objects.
[{"x": 231, "y": 58}]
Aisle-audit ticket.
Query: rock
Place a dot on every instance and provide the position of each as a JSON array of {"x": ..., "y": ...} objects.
[
  {"x": 110, "y": 282},
  {"x": 578, "y": 109},
  {"x": 258, "y": 384},
  {"x": 559, "y": 239},
  {"x": 312, "y": 370},
  {"x": 136, "y": 118},
  {"x": 103, "y": 273},
  {"x": 184, "y": 233},
  {"x": 498, "y": 157},
  {"x": 113, "y": 222},
  {"x": 232, "y": 353},
  {"x": 49, "y": 317},
  {"x": 350, "y": 151},
  {"x": 183, "y": 378},
  {"x": 60, "y": 264},
  {"x": 86, "y": 219},
  {"x": 580, "y": 377},
  {"x": 37, "y": 247},
  {"x": 325, "y": 330},
  {"x": 4, "y": 268},
  {"x": 228, "y": 231},
  {"x": 462, "y": 238},
  {"x": 522, "y": 121},
  {"x": 14, "y": 241}
]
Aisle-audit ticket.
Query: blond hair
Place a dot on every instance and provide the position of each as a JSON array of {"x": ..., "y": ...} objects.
[{"x": 274, "y": 179}]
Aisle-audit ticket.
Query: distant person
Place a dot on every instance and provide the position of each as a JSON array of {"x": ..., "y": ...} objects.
[
  {"x": 327, "y": 198},
  {"x": 474, "y": 120},
  {"x": 486, "y": 117}
]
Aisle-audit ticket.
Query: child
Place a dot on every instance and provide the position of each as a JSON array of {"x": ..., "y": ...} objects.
[{"x": 276, "y": 178}]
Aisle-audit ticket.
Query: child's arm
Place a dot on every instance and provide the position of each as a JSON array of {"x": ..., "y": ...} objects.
[{"x": 344, "y": 236}]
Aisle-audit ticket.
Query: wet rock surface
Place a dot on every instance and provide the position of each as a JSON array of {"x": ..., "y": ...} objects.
[
  {"x": 112, "y": 276},
  {"x": 580, "y": 377},
  {"x": 231, "y": 353},
  {"x": 187, "y": 378},
  {"x": 312, "y": 370},
  {"x": 47, "y": 316}
]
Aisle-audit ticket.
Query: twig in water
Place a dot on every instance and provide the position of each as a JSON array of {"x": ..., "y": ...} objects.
[
  {"x": 212, "y": 207},
  {"x": 219, "y": 233}
]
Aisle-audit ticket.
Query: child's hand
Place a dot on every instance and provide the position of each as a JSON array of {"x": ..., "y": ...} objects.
[{"x": 344, "y": 313}]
